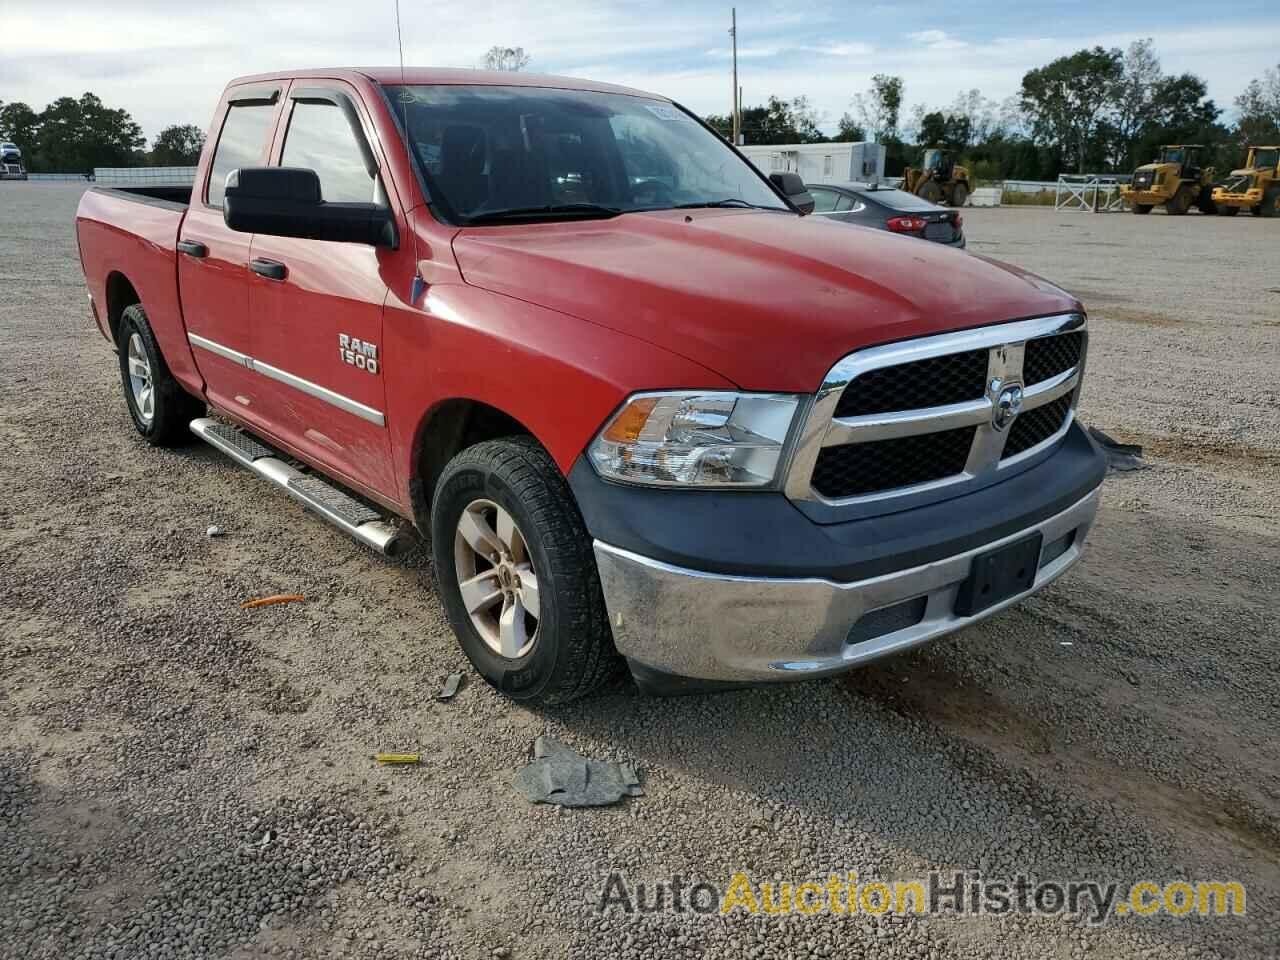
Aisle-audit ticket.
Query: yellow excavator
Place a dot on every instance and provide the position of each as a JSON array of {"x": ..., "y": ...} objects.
[
  {"x": 939, "y": 179},
  {"x": 1175, "y": 180},
  {"x": 1255, "y": 188}
]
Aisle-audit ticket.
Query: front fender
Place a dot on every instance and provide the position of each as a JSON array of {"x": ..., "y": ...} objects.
[{"x": 559, "y": 376}]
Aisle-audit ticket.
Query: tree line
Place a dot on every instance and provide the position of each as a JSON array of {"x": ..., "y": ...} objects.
[
  {"x": 1097, "y": 110},
  {"x": 1094, "y": 111},
  {"x": 74, "y": 135}
]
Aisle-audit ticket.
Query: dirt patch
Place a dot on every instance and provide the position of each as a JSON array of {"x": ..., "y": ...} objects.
[
  {"x": 1201, "y": 451},
  {"x": 1146, "y": 318},
  {"x": 976, "y": 712}
]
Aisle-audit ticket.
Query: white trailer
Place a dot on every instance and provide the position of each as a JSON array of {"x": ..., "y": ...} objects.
[{"x": 861, "y": 162}]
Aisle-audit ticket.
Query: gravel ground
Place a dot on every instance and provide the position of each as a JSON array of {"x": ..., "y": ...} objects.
[{"x": 183, "y": 778}]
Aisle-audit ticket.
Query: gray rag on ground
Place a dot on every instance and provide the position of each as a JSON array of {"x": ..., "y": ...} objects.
[{"x": 558, "y": 775}]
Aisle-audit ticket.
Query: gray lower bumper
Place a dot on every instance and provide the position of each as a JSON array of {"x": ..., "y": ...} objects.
[{"x": 720, "y": 627}]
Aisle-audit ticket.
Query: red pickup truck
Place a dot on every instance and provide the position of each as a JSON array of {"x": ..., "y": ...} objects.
[{"x": 645, "y": 410}]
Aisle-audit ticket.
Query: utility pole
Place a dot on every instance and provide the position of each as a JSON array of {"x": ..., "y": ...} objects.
[{"x": 736, "y": 112}]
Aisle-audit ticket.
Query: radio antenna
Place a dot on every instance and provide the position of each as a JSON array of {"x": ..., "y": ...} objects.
[{"x": 419, "y": 284}]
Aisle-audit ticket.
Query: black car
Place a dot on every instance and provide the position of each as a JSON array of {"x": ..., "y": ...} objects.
[{"x": 887, "y": 208}]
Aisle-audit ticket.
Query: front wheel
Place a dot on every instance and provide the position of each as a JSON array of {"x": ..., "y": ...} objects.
[
  {"x": 160, "y": 408},
  {"x": 1271, "y": 203},
  {"x": 518, "y": 575},
  {"x": 959, "y": 195},
  {"x": 930, "y": 191},
  {"x": 1179, "y": 203}
]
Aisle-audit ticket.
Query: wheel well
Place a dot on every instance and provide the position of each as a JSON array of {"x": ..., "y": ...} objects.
[
  {"x": 452, "y": 427},
  {"x": 120, "y": 295}
]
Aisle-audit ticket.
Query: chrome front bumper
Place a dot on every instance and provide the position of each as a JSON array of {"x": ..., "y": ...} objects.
[{"x": 733, "y": 628}]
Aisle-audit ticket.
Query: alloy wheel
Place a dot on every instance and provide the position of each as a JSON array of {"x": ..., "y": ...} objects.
[
  {"x": 496, "y": 579},
  {"x": 140, "y": 380}
]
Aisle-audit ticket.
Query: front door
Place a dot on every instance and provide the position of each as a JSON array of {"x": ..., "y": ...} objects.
[
  {"x": 213, "y": 260},
  {"x": 316, "y": 306}
]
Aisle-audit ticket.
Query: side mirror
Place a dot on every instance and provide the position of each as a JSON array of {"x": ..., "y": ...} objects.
[
  {"x": 792, "y": 187},
  {"x": 286, "y": 202}
]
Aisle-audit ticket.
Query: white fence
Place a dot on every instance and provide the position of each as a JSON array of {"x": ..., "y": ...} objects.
[{"x": 1089, "y": 192}]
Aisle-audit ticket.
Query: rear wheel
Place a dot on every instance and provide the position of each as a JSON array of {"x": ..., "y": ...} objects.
[
  {"x": 1271, "y": 203},
  {"x": 160, "y": 408},
  {"x": 959, "y": 195},
  {"x": 1179, "y": 203},
  {"x": 1142, "y": 209},
  {"x": 517, "y": 573},
  {"x": 1225, "y": 211}
]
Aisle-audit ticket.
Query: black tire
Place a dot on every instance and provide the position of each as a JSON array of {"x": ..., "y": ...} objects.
[
  {"x": 1225, "y": 211},
  {"x": 573, "y": 652},
  {"x": 1142, "y": 209},
  {"x": 959, "y": 195},
  {"x": 930, "y": 191},
  {"x": 1204, "y": 203},
  {"x": 172, "y": 408},
  {"x": 1271, "y": 203},
  {"x": 1179, "y": 203}
]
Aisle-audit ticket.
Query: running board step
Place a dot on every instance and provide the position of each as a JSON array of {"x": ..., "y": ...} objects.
[{"x": 343, "y": 511}]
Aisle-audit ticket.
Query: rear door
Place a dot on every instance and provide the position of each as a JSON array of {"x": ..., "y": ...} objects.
[
  {"x": 316, "y": 306},
  {"x": 213, "y": 260}
]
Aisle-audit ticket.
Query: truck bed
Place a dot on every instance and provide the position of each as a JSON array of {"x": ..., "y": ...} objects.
[
  {"x": 174, "y": 196},
  {"x": 128, "y": 247}
]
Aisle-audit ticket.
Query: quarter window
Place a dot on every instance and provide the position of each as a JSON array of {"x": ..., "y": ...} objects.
[
  {"x": 824, "y": 201},
  {"x": 242, "y": 143},
  {"x": 321, "y": 139}
]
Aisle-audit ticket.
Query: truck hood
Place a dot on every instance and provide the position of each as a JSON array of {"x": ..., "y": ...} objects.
[{"x": 769, "y": 301}]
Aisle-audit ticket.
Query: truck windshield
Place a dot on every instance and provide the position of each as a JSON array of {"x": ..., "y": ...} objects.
[
  {"x": 1267, "y": 159},
  {"x": 495, "y": 154}
]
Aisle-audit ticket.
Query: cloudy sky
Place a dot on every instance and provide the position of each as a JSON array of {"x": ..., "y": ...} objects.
[{"x": 167, "y": 61}]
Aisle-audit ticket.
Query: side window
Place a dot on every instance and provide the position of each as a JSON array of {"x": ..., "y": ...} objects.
[
  {"x": 321, "y": 139},
  {"x": 845, "y": 204},
  {"x": 241, "y": 144},
  {"x": 824, "y": 201}
]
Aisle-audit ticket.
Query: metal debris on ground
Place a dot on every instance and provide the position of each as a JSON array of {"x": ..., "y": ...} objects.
[
  {"x": 558, "y": 775},
  {"x": 1120, "y": 456},
  {"x": 214, "y": 531},
  {"x": 398, "y": 757},
  {"x": 451, "y": 684},
  {"x": 272, "y": 600}
]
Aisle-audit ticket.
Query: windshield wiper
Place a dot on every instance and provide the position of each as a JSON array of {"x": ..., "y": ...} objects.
[
  {"x": 727, "y": 202},
  {"x": 585, "y": 210}
]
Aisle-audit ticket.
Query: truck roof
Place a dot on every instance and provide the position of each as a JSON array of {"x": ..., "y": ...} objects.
[{"x": 447, "y": 76}]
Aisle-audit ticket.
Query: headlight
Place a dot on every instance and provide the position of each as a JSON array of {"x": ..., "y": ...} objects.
[{"x": 692, "y": 439}]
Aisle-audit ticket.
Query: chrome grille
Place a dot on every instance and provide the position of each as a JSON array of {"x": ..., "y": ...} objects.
[
  {"x": 1036, "y": 426},
  {"x": 1047, "y": 357},
  {"x": 915, "y": 419},
  {"x": 856, "y": 468},
  {"x": 924, "y": 383}
]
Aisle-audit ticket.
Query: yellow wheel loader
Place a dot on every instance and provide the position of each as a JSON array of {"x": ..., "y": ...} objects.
[
  {"x": 1256, "y": 188},
  {"x": 939, "y": 179},
  {"x": 1175, "y": 181}
]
